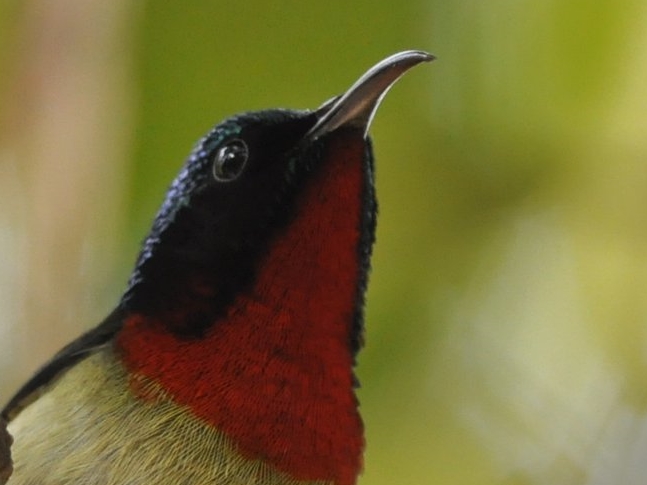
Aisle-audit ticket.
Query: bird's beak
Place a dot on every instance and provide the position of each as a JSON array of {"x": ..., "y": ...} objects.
[{"x": 357, "y": 106}]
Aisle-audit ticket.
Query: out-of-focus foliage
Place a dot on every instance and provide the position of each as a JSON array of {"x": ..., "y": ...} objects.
[{"x": 506, "y": 318}]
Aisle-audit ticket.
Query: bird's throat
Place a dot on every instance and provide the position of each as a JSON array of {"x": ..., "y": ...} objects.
[{"x": 275, "y": 373}]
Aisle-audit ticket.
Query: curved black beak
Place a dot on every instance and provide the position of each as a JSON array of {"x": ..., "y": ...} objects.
[{"x": 357, "y": 106}]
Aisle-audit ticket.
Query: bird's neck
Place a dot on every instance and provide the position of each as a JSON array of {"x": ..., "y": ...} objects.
[{"x": 275, "y": 373}]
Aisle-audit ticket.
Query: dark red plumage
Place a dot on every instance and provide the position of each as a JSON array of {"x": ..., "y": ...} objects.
[{"x": 275, "y": 374}]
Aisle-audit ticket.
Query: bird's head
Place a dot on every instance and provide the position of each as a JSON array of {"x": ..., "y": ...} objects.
[{"x": 240, "y": 187}]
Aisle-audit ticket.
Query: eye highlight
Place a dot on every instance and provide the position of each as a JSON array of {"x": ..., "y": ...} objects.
[{"x": 230, "y": 160}]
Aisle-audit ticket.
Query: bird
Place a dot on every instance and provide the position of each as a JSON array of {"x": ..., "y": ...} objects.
[{"x": 230, "y": 356}]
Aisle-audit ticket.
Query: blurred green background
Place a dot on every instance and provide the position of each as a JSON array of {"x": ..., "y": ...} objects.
[{"x": 506, "y": 317}]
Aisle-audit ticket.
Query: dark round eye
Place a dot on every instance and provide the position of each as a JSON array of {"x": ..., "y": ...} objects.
[{"x": 230, "y": 160}]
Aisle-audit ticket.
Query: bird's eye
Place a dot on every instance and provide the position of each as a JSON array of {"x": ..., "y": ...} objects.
[{"x": 230, "y": 161}]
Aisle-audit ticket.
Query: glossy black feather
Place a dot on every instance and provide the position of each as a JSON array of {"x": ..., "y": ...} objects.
[{"x": 69, "y": 355}]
